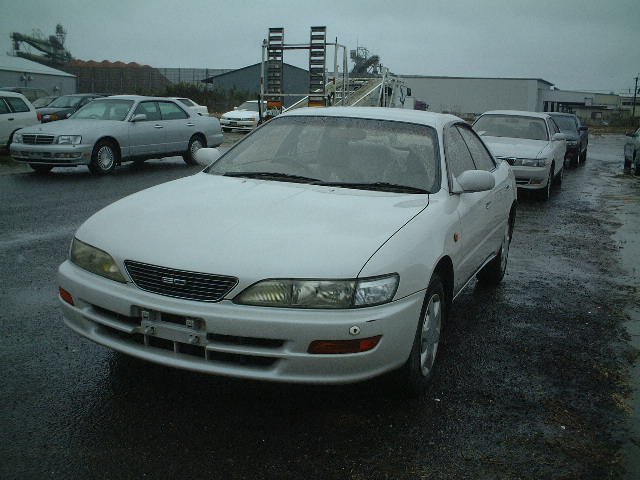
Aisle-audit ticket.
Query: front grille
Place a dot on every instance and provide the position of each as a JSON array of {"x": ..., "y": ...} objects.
[
  {"x": 510, "y": 160},
  {"x": 37, "y": 139},
  {"x": 202, "y": 287},
  {"x": 522, "y": 181}
]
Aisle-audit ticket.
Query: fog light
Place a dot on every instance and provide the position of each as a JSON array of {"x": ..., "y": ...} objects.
[
  {"x": 339, "y": 347},
  {"x": 536, "y": 181},
  {"x": 66, "y": 296}
]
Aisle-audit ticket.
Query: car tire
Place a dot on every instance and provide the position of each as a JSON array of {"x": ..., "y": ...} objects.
[
  {"x": 104, "y": 158},
  {"x": 636, "y": 162},
  {"x": 40, "y": 169},
  {"x": 418, "y": 369},
  {"x": 196, "y": 142},
  {"x": 493, "y": 272},
  {"x": 545, "y": 193},
  {"x": 557, "y": 180},
  {"x": 583, "y": 157}
]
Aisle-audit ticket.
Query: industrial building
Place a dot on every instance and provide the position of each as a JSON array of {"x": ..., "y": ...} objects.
[
  {"x": 20, "y": 72},
  {"x": 468, "y": 97}
]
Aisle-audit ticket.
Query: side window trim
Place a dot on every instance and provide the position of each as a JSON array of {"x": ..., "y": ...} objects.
[
  {"x": 445, "y": 141},
  {"x": 469, "y": 129}
]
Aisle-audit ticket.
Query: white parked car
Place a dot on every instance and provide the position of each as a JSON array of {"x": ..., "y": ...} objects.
[
  {"x": 326, "y": 247},
  {"x": 15, "y": 112},
  {"x": 530, "y": 142},
  {"x": 245, "y": 117},
  {"x": 193, "y": 106}
]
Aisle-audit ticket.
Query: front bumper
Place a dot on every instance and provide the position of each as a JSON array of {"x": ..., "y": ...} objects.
[
  {"x": 238, "y": 124},
  {"x": 237, "y": 340},
  {"x": 531, "y": 178},
  {"x": 52, "y": 154}
]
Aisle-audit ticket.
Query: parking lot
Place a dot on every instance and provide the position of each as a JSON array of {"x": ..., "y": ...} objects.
[{"x": 533, "y": 380}]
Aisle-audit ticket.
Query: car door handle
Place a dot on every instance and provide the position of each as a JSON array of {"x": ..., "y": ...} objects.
[
  {"x": 10, "y": 119},
  {"x": 157, "y": 126},
  {"x": 190, "y": 124},
  {"x": 487, "y": 205},
  {"x": 507, "y": 187}
]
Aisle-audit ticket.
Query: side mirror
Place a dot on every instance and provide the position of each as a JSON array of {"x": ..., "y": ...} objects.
[
  {"x": 630, "y": 134},
  {"x": 558, "y": 136},
  {"x": 206, "y": 156},
  {"x": 235, "y": 108},
  {"x": 476, "y": 181},
  {"x": 139, "y": 117}
]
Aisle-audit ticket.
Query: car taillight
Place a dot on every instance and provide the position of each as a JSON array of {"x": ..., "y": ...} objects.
[{"x": 39, "y": 116}]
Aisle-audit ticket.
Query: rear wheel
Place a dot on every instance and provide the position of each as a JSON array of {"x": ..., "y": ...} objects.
[
  {"x": 195, "y": 143},
  {"x": 559, "y": 177},
  {"x": 103, "y": 158},
  {"x": 40, "y": 168},
  {"x": 419, "y": 367}
]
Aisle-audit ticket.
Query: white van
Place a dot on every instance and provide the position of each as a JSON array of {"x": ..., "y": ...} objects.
[{"x": 15, "y": 112}]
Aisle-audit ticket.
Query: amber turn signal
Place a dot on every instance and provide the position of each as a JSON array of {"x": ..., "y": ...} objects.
[{"x": 66, "y": 296}]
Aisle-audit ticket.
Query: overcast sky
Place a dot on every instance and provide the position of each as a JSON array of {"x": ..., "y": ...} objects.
[{"x": 575, "y": 44}]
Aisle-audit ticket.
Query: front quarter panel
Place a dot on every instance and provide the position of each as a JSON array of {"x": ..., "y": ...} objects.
[{"x": 415, "y": 249}]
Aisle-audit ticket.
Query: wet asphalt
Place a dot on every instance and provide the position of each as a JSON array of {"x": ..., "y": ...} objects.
[{"x": 532, "y": 381}]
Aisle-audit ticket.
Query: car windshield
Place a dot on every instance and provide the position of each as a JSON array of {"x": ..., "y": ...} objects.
[
  {"x": 512, "y": 126},
  {"x": 253, "y": 106},
  {"x": 566, "y": 123},
  {"x": 344, "y": 152},
  {"x": 66, "y": 101},
  {"x": 42, "y": 102},
  {"x": 104, "y": 110}
]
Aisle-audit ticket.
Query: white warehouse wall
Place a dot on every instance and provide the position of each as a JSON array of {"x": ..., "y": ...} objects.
[{"x": 473, "y": 96}]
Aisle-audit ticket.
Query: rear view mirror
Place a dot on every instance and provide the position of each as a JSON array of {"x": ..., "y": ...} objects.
[
  {"x": 476, "y": 181},
  {"x": 206, "y": 156}
]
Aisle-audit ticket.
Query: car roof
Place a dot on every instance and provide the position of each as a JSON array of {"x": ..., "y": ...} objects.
[
  {"x": 9, "y": 93},
  {"x": 519, "y": 113},
  {"x": 141, "y": 97},
  {"x": 379, "y": 113},
  {"x": 560, "y": 114}
]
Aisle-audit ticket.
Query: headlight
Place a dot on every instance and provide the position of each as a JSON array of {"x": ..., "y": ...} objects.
[
  {"x": 17, "y": 138},
  {"x": 69, "y": 139},
  {"x": 530, "y": 162},
  {"x": 95, "y": 261},
  {"x": 320, "y": 293}
]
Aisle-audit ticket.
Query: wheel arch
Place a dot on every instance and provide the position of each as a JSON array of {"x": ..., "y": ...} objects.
[
  {"x": 201, "y": 135},
  {"x": 113, "y": 141},
  {"x": 444, "y": 269}
]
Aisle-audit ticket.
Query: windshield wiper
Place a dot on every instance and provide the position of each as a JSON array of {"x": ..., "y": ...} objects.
[
  {"x": 382, "y": 186},
  {"x": 286, "y": 177}
]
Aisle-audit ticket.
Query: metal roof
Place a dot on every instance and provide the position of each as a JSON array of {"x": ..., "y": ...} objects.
[
  {"x": 19, "y": 64},
  {"x": 476, "y": 78}
]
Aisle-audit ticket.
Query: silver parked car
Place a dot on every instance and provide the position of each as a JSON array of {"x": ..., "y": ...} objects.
[{"x": 111, "y": 130}]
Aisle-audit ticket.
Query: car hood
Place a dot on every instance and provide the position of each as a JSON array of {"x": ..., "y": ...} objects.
[
  {"x": 251, "y": 229},
  {"x": 50, "y": 110},
  {"x": 514, "y": 147},
  {"x": 241, "y": 114},
  {"x": 70, "y": 127}
]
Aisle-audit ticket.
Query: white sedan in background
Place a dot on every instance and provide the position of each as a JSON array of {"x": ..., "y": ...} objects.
[
  {"x": 193, "y": 106},
  {"x": 326, "y": 247},
  {"x": 530, "y": 142},
  {"x": 245, "y": 117}
]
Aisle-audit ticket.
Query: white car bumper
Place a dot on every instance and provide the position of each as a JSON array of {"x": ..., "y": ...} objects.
[
  {"x": 237, "y": 124},
  {"x": 532, "y": 178},
  {"x": 237, "y": 340}
]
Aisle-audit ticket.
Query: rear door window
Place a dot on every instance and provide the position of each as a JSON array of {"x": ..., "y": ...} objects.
[
  {"x": 17, "y": 104},
  {"x": 171, "y": 111}
]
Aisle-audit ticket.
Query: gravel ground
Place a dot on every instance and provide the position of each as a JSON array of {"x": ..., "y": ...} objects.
[{"x": 532, "y": 381}]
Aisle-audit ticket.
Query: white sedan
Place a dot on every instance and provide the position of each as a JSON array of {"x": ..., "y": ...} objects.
[
  {"x": 325, "y": 247},
  {"x": 193, "y": 106},
  {"x": 530, "y": 142},
  {"x": 245, "y": 117}
]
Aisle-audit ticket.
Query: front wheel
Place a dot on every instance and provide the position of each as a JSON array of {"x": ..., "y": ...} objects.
[
  {"x": 195, "y": 143},
  {"x": 583, "y": 157},
  {"x": 103, "y": 158},
  {"x": 493, "y": 272},
  {"x": 419, "y": 367},
  {"x": 545, "y": 193}
]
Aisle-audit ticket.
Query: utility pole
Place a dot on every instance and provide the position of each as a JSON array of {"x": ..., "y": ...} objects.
[{"x": 635, "y": 91}]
